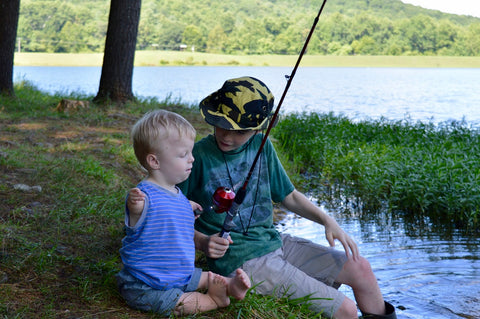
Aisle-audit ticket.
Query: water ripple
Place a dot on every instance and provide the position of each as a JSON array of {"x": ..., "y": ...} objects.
[{"x": 433, "y": 275}]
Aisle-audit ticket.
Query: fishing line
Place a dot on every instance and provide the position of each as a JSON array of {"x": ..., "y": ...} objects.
[{"x": 240, "y": 196}]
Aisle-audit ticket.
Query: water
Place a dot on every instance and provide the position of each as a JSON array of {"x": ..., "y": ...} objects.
[
  {"x": 427, "y": 94},
  {"x": 424, "y": 272}
]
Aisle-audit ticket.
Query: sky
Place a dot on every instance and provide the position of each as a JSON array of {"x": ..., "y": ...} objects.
[{"x": 468, "y": 7}]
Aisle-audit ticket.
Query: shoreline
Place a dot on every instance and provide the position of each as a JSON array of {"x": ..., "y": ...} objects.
[{"x": 178, "y": 58}]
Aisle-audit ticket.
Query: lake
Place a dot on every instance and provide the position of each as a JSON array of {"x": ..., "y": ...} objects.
[
  {"x": 427, "y": 94},
  {"x": 424, "y": 272}
]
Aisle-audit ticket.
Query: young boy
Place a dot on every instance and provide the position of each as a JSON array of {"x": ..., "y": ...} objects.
[
  {"x": 158, "y": 251},
  {"x": 278, "y": 264}
]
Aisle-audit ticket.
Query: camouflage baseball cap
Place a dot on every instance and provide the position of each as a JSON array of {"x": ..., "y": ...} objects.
[{"x": 243, "y": 103}]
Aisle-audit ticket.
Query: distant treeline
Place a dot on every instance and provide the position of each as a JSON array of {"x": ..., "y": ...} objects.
[{"x": 346, "y": 27}]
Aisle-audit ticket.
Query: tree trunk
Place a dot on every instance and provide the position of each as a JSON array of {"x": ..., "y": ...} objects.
[
  {"x": 118, "y": 58},
  {"x": 9, "y": 11}
]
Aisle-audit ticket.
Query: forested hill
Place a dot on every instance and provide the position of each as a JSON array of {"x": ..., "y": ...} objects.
[{"x": 346, "y": 27}]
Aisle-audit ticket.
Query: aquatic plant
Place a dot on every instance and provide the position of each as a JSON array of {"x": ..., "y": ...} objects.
[{"x": 422, "y": 169}]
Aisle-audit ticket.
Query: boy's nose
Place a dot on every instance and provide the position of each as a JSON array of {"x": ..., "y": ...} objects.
[
  {"x": 229, "y": 134},
  {"x": 225, "y": 135}
]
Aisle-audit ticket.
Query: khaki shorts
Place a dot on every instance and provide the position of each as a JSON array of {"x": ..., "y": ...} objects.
[{"x": 300, "y": 268}]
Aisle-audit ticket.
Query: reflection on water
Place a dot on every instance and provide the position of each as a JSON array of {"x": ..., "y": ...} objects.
[{"x": 424, "y": 273}]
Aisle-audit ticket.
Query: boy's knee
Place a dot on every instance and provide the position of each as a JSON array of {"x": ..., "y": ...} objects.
[
  {"x": 357, "y": 273},
  {"x": 359, "y": 267},
  {"x": 348, "y": 309},
  {"x": 365, "y": 267}
]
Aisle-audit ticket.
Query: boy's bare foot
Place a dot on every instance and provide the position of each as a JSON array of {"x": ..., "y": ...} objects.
[
  {"x": 217, "y": 289},
  {"x": 239, "y": 285}
]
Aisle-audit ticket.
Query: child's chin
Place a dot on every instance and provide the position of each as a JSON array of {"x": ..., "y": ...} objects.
[{"x": 225, "y": 148}]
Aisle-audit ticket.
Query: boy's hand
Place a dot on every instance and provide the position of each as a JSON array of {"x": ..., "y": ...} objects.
[
  {"x": 135, "y": 201},
  {"x": 334, "y": 231},
  {"x": 135, "y": 195},
  {"x": 217, "y": 246},
  {"x": 196, "y": 208}
]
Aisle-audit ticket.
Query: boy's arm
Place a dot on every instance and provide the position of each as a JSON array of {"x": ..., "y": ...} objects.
[
  {"x": 301, "y": 205},
  {"x": 135, "y": 205}
]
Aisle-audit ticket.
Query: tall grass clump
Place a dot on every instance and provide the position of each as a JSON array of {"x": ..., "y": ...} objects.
[{"x": 420, "y": 169}]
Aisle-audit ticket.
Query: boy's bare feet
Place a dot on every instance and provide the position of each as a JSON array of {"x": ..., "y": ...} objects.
[
  {"x": 217, "y": 289},
  {"x": 239, "y": 285}
]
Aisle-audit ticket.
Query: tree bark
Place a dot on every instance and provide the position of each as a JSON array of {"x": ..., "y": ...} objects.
[
  {"x": 9, "y": 11},
  {"x": 119, "y": 55}
]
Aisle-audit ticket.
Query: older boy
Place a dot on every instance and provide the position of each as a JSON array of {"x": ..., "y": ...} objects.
[{"x": 278, "y": 264}]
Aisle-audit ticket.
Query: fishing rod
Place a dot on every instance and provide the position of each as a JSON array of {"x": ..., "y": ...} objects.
[{"x": 240, "y": 196}]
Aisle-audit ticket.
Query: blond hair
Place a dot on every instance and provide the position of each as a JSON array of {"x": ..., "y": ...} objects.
[{"x": 155, "y": 126}]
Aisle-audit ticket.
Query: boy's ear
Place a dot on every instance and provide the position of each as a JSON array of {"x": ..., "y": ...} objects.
[{"x": 153, "y": 161}]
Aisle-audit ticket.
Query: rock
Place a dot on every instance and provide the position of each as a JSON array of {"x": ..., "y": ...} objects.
[{"x": 26, "y": 188}]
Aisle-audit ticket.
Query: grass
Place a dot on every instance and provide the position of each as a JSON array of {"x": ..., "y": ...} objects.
[
  {"x": 171, "y": 58},
  {"x": 417, "y": 169},
  {"x": 62, "y": 231}
]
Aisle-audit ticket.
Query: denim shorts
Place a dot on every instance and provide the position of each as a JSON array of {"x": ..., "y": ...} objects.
[
  {"x": 300, "y": 268},
  {"x": 141, "y": 296}
]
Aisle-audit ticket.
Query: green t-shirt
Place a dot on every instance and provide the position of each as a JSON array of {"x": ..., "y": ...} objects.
[{"x": 268, "y": 183}]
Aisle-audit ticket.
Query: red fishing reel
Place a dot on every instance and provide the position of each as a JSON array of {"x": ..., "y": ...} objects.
[{"x": 222, "y": 199}]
